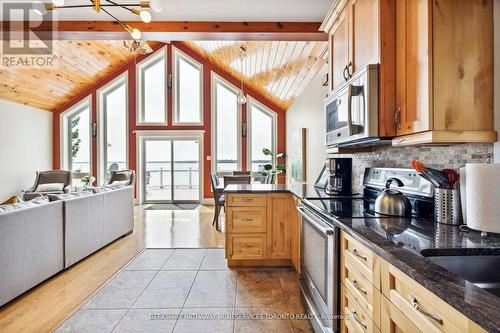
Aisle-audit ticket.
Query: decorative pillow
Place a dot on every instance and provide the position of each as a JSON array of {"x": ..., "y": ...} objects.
[
  {"x": 12, "y": 200},
  {"x": 25, "y": 204},
  {"x": 120, "y": 182},
  {"x": 50, "y": 187}
]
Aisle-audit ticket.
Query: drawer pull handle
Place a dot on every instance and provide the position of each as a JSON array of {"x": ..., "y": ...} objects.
[
  {"x": 355, "y": 252},
  {"x": 246, "y": 199},
  {"x": 355, "y": 316},
  {"x": 416, "y": 306},
  {"x": 247, "y": 220},
  {"x": 356, "y": 285}
]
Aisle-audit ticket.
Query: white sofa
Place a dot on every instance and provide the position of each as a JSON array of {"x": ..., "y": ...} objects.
[{"x": 38, "y": 241}]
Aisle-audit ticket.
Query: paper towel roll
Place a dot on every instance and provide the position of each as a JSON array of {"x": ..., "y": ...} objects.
[{"x": 483, "y": 197}]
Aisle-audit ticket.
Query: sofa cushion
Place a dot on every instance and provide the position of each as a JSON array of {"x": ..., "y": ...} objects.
[
  {"x": 25, "y": 204},
  {"x": 69, "y": 196},
  {"x": 107, "y": 188},
  {"x": 50, "y": 187}
]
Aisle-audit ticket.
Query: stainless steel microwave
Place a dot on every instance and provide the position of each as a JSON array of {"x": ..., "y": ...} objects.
[{"x": 352, "y": 110}]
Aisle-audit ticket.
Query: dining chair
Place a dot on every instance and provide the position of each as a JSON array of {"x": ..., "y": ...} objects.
[
  {"x": 228, "y": 180},
  {"x": 219, "y": 198},
  {"x": 242, "y": 173}
]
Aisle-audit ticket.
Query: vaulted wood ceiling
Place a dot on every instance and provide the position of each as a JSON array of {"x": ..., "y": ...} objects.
[
  {"x": 278, "y": 69},
  {"x": 80, "y": 64}
]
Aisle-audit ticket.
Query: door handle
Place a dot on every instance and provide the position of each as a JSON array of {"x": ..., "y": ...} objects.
[
  {"x": 350, "y": 69},
  {"x": 397, "y": 117},
  {"x": 345, "y": 73}
]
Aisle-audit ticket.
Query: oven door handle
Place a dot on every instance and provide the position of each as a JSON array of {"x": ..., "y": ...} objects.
[
  {"x": 349, "y": 109},
  {"x": 327, "y": 231}
]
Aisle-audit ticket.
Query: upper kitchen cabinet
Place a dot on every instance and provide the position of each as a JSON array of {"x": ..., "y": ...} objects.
[
  {"x": 444, "y": 72},
  {"x": 362, "y": 32}
]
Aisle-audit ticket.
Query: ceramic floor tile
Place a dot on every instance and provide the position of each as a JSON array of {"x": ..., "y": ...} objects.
[
  {"x": 149, "y": 260},
  {"x": 185, "y": 259},
  {"x": 259, "y": 289},
  {"x": 214, "y": 260},
  {"x": 215, "y": 289},
  {"x": 299, "y": 319},
  {"x": 168, "y": 290},
  {"x": 205, "y": 320},
  {"x": 290, "y": 285},
  {"x": 262, "y": 320},
  {"x": 121, "y": 291},
  {"x": 148, "y": 320},
  {"x": 92, "y": 321}
]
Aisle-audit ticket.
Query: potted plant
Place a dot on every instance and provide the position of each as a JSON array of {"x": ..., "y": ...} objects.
[
  {"x": 274, "y": 167},
  {"x": 87, "y": 181}
]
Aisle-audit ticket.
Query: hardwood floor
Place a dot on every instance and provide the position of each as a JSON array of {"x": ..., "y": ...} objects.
[{"x": 44, "y": 307}]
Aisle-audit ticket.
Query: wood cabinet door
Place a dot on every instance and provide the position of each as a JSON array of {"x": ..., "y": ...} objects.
[
  {"x": 413, "y": 66},
  {"x": 295, "y": 241},
  {"x": 279, "y": 216},
  {"x": 246, "y": 246},
  {"x": 339, "y": 49},
  {"x": 364, "y": 19},
  {"x": 393, "y": 321},
  {"x": 245, "y": 220}
]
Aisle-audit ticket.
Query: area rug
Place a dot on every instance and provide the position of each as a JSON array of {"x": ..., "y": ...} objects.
[{"x": 172, "y": 207}]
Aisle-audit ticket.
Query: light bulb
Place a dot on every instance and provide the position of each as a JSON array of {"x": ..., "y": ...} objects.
[
  {"x": 241, "y": 99},
  {"x": 135, "y": 33},
  {"x": 39, "y": 8},
  {"x": 145, "y": 16},
  {"x": 58, "y": 3},
  {"x": 156, "y": 5}
]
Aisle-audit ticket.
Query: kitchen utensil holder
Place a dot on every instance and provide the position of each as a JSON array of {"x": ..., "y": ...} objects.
[{"x": 447, "y": 206}]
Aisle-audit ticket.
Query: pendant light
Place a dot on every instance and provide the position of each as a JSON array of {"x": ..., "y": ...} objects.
[{"x": 242, "y": 99}]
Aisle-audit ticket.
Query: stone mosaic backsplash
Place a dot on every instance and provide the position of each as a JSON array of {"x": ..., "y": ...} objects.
[{"x": 439, "y": 157}]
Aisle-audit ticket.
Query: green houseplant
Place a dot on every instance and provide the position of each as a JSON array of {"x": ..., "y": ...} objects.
[{"x": 275, "y": 167}]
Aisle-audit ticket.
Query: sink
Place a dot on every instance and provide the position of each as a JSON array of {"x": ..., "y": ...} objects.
[{"x": 481, "y": 270}]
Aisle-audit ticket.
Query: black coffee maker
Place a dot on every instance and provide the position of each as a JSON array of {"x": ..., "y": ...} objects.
[{"x": 340, "y": 176}]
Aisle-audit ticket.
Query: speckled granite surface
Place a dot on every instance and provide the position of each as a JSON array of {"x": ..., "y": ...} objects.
[{"x": 405, "y": 243}]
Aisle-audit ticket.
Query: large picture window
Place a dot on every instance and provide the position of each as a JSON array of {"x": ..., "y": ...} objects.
[
  {"x": 151, "y": 90},
  {"x": 113, "y": 109},
  {"x": 76, "y": 136},
  {"x": 226, "y": 149},
  {"x": 261, "y": 134},
  {"x": 187, "y": 90}
]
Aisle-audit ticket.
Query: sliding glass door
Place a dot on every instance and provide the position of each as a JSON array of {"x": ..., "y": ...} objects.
[{"x": 171, "y": 170}]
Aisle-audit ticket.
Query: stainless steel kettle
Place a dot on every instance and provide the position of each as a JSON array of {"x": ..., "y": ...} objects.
[{"x": 392, "y": 202}]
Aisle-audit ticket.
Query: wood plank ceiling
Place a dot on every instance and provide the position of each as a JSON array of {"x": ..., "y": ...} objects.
[
  {"x": 278, "y": 69},
  {"x": 80, "y": 64}
]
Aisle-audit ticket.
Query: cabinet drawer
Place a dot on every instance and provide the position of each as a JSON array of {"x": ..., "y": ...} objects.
[
  {"x": 246, "y": 219},
  {"x": 355, "y": 318},
  {"x": 246, "y": 246},
  {"x": 361, "y": 258},
  {"x": 393, "y": 321},
  {"x": 363, "y": 292},
  {"x": 247, "y": 200},
  {"x": 425, "y": 310}
]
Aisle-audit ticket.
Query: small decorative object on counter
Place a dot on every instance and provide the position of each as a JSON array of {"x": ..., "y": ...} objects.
[{"x": 87, "y": 180}]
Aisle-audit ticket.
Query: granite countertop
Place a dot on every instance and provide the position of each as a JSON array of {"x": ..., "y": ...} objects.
[
  {"x": 406, "y": 252},
  {"x": 299, "y": 190},
  {"x": 406, "y": 245}
]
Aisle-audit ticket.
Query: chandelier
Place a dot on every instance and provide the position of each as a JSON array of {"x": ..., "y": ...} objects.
[
  {"x": 137, "y": 47},
  {"x": 140, "y": 9},
  {"x": 241, "y": 98}
]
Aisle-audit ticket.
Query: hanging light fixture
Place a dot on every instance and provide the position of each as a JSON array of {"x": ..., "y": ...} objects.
[
  {"x": 137, "y": 46},
  {"x": 102, "y": 5},
  {"x": 242, "y": 99}
]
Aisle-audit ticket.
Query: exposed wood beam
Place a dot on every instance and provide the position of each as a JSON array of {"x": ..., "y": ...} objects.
[{"x": 174, "y": 30}]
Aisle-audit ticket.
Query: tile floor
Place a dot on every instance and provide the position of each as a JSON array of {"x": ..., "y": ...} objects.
[{"x": 192, "y": 290}]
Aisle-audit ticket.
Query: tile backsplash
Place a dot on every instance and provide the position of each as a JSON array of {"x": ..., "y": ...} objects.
[{"x": 439, "y": 157}]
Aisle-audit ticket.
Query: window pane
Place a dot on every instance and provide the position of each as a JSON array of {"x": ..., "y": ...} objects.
[
  {"x": 79, "y": 144},
  {"x": 189, "y": 94},
  {"x": 261, "y": 136},
  {"x": 116, "y": 129},
  {"x": 153, "y": 89},
  {"x": 227, "y": 129}
]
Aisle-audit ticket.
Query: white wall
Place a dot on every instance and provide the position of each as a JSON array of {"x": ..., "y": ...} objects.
[
  {"x": 25, "y": 146},
  {"x": 308, "y": 112},
  {"x": 496, "y": 92}
]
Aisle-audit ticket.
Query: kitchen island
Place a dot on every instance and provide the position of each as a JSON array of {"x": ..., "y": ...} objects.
[{"x": 397, "y": 284}]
